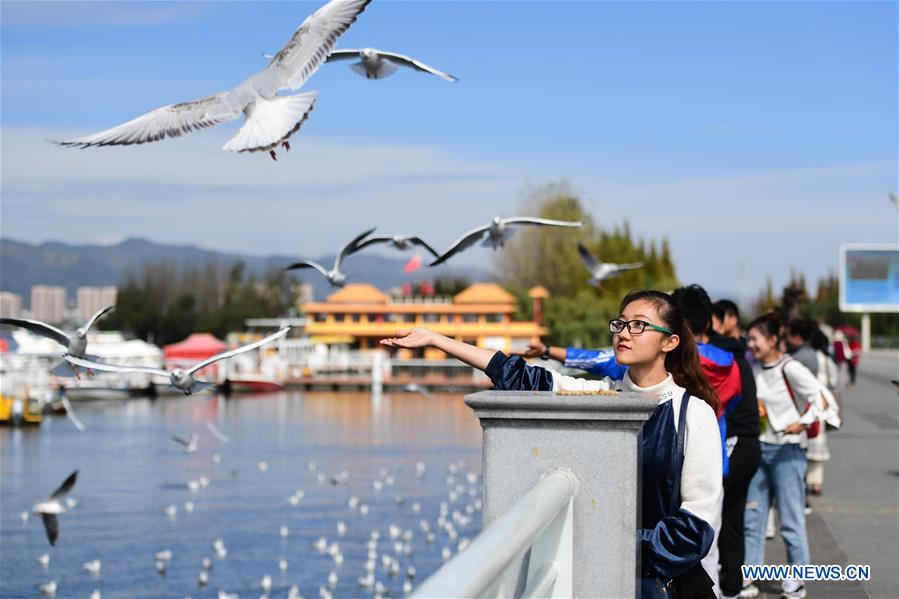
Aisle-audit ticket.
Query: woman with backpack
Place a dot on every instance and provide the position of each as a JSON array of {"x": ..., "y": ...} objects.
[{"x": 789, "y": 394}]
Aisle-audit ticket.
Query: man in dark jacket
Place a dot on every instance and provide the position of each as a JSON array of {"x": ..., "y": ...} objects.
[{"x": 745, "y": 454}]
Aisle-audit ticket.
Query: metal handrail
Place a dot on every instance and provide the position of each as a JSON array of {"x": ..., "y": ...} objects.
[{"x": 476, "y": 571}]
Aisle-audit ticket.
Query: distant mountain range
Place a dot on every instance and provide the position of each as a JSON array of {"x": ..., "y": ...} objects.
[{"x": 53, "y": 263}]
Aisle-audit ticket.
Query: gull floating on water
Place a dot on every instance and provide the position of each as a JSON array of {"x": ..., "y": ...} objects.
[
  {"x": 75, "y": 343},
  {"x": 50, "y": 509},
  {"x": 92, "y": 566},
  {"x": 377, "y": 64},
  {"x": 49, "y": 588},
  {"x": 498, "y": 232},
  {"x": 269, "y": 118},
  {"x": 183, "y": 380},
  {"x": 600, "y": 271},
  {"x": 334, "y": 276},
  {"x": 44, "y": 559}
]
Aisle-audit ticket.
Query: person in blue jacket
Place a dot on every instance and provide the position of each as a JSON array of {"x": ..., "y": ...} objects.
[{"x": 650, "y": 338}]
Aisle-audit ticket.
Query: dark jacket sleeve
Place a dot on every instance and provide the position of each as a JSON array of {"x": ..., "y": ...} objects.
[
  {"x": 512, "y": 373},
  {"x": 676, "y": 544}
]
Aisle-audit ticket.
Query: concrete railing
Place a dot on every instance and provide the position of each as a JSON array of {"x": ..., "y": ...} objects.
[
  {"x": 540, "y": 521},
  {"x": 533, "y": 442}
]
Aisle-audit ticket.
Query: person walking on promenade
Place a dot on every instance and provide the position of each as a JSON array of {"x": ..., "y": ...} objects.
[
  {"x": 726, "y": 320},
  {"x": 790, "y": 394},
  {"x": 798, "y": 334},
  {"x": 651, "y": 338},
  {"x": 818, "y": 450}
]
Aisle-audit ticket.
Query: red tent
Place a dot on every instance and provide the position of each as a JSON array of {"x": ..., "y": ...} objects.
[{"x": 195, "y": 348}]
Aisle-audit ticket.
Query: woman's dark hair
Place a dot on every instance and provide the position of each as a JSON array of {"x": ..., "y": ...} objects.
[
  {"x": 802, "y": 328},
  {"x": 697, "y": 307},
  {"x": 683, "y": 361},
  {"x": 819, "y": 341},
  {"x": 768, "y": 324}
]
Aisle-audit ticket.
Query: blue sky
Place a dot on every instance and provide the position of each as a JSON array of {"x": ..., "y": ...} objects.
[{"x": 756, "y": 136}]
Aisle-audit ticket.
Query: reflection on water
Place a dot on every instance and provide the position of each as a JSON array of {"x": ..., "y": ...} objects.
[{"x": 130, "y": 471}]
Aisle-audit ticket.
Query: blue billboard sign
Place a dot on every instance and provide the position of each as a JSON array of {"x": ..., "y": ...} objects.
[{"x": 869, "y": 278}]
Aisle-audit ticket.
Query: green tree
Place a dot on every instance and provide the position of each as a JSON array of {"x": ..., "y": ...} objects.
[{"x": 576, "y": 313}]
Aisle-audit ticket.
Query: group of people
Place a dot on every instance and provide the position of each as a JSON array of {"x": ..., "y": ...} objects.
[{"x": 740, "y": 425}]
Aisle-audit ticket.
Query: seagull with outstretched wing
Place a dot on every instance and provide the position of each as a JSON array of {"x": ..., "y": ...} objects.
[
  {"x": 400, "y": 242},
  {"x": 70, "y": 413},
  {"x": 600, "y": 271},
  {"x": 189, "y": 445},
  {"x": 497, "y": 233},
  {"x": 180, "y": 379},
  {"x": 269, "y": 118},
  {"x": 75, "y": 343},
  {"x": 334, "y": 276},
  {"x": 218, "y": 434},
  {"x": 377, "y": 64},
  {"x": 50, "y": 509}
]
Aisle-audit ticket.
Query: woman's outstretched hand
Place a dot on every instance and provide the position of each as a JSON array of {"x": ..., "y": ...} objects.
[
  {"x": 411, "y": 339},
  {"x": 534, "y": 350}
]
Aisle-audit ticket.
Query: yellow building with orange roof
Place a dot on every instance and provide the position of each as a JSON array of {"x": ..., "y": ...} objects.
[{"x": 360, "y": 315}]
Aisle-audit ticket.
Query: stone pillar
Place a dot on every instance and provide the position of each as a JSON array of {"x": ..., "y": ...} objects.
[{"x": 595, "y": 436}]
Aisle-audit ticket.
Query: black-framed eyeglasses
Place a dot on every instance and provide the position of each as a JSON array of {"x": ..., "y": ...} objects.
[{"x": 635, "y": 327}]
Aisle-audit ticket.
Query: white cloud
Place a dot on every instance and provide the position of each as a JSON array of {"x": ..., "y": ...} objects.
[
  {"x": 188, "y": 190},
  {"x": 729, "y": 233}
]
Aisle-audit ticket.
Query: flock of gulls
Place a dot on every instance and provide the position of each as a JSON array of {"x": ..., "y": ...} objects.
[
  {"x": 271, "y": 115},
  {"x": 391, "y": 550}
]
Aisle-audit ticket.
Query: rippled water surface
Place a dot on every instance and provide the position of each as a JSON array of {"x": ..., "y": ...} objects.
[{"x": 130, "y": 471}]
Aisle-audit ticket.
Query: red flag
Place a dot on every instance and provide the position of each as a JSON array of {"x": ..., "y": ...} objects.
[{"x": 413, "y": 264}]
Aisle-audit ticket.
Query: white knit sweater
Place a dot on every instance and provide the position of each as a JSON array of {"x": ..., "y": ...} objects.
[{"x": 702, "y": 490}]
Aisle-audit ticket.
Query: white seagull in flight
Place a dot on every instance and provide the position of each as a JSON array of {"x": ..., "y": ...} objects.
[
  {"x": 600, "y": 271},
  {"x": 54, "y": 506},
  {"x": 334, "y": 276},
  {"x": 497, "y": 233},
  {"x": 377, "y": 64},
  {"x": 269, "y": 119},
  {"x": 183, "y": 380},
  {"x": 75, "y": 343}
]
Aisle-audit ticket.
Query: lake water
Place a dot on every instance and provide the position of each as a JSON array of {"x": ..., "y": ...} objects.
[{"x": 130, "y": 471}]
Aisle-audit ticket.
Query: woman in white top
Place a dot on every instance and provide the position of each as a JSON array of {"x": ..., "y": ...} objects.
[
  {"x": 651, "y": 339},
  {"x": 789, "y": 394}
]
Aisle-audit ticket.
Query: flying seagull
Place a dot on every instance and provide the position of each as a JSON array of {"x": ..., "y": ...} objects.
[
  {"x": 269, "y": 119},
  {"x": 53, "y": 506},
  {"x": 498, "y": 233},
  {"x": 180, "y": 379},
  {"x": 190, "y": 445},
  {"x": 70, "y": 413},
  {"x": 218, "y": 434},
  {"x": 75, "y": 343},
  {"x": 334, "y": 276},
  {"x": 600, "y": 271},
  {"x": 400, "y": 242},
  {"x": 377, "y": 64}
]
